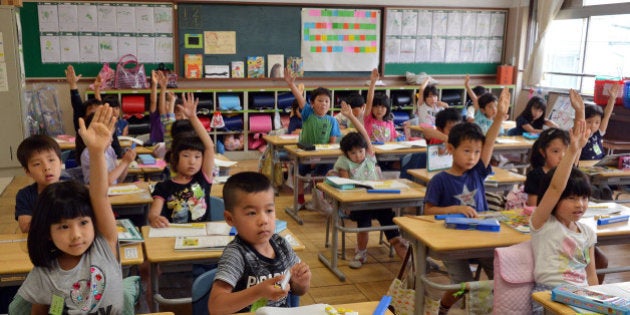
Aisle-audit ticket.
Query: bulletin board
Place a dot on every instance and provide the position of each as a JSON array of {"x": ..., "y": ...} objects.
[
  {"x": 443, "y": 41},
  {"x": 87, "y": 35},
  {"x": 263, "y": 30}
]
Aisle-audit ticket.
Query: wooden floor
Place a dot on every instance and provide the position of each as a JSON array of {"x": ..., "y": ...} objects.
[{"x": 369, "y": 283}]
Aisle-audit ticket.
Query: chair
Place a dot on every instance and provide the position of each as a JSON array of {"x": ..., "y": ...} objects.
[
  {"x": 201, "y": 292},
  {"x": 216, "y": 209}
]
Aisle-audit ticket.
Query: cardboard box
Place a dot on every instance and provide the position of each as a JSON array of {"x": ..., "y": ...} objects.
[
  {"x": 17, "y": 3},
  {"x": 505, "y": 74}
]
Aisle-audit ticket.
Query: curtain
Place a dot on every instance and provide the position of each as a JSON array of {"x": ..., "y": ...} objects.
[{"x": 546, "y": 12}]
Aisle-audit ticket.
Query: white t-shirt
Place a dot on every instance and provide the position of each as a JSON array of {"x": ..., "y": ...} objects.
[
  {"x": 426, "y": 114},
  {"x": 561, "y": 255}
]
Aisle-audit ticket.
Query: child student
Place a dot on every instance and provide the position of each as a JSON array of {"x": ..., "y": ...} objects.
[
  {"x": 186, "y": 196},
  {"x": 429, "y": 105},
  {"x": 532, "y": 119},
  {"x": 73, "y": 240},
  {"x": 597, "y": 122},
  {"x": 460, "y": 189},
  {"x": 473, "y": 93},
  {"x": 115, "y": 171},
  {"x": 317, "y": 127},
  {"x": 485, "y": 110},
  {"x": 563, "y": 247},
  {"x": 357, "y": 103},
  {"x": 40, "y": 156},
  {"x": 547, "y": 152},
  {"x": 257, "y": 259},
  {"x": 378, "y": 121},
  {"x": 359, "y": 162},
  {"x": 295, "y": 119}
]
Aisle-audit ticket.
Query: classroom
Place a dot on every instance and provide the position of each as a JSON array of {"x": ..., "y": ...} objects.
[{"x": 223, "y": 86}]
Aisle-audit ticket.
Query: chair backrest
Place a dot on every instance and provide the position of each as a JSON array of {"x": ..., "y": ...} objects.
[
  {"x": 201, "y": 292},
  {"x": 216, "y": 209},
  {"x": 513, "y": 279},
  {"x": 512, "y": 132}
]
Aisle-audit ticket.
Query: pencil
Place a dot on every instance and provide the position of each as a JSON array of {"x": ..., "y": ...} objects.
[{"x": 421, "y": 218}]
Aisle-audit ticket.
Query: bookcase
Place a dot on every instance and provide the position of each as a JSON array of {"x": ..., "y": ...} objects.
[{"x": 246, "y": 103}]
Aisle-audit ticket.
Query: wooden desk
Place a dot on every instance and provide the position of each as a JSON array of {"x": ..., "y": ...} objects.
[
  {"x": 148, "y": 172},
  {"x": 412, "y": 196},
  {"x": 605, "y": 175},
  {"x": 299, "y": 156},
  {"x": 513, "y": 145},
  {"x": 70, "y": 145},
  {"x": 15, "y": 263},
  {"x": 396, "y": 154},
  {"x": 360, "y": 308},
  {"x": 276, "y": 145},
  {"x": 136, "y": 204},
  {"x": 544, "y": 298},
  {"x": 161, "y": 250},
  {"x": 502, "y": 180}
]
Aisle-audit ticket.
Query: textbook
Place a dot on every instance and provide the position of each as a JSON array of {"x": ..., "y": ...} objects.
[
  {"x": 605, "y": 299},
  {"x": 202, "y": 243},
  {"x": 127, "y": 232},
  {"x": 349, "y": 184},
  {"x": 193, "y": 229},
  {"x": 490, "y": 225},
  {"x": 123, "y": 190}
]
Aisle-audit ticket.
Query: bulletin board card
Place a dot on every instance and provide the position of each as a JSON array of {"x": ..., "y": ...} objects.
[
  {"x": 443, "y": 41},
  {"x": 87, "y": 35},
  {"x": 332, "y": 42}
]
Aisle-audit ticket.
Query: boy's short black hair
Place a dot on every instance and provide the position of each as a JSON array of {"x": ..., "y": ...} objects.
[
  {"x": 112, "y": 100},
  {"x": 352, "y": 140},
  {"x": 486, "y": 99},
  {"x": 181, "y": 126},
  {"x": 479, "y": 90},
  {"x": 465, "y": 131},
  {"x": 91, "y": 102},
  {"x": 355, "y": 100},
  {"x": 445, "y": 116},
  {"x": 577, "y": 185},
  {"x": 320, "y": 91},
  {"x": 429, "y": 89},
  {"x": 35, "y": 144},
  {"x": 592, "y": 111},
  {"x": 246, "y": 182}
]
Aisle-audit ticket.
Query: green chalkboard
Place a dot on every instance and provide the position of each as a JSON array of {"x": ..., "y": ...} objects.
[
  {"x": 33, "y": 65},
  {"x": 260, "y": 30}
]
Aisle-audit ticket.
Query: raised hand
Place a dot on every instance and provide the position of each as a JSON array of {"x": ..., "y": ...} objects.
[
  {"x": 162, "y": 79},
  {"x": 374, "y": 75},
  {"x": 346, "y": 110},
  {"x": 467, "y": 80},
  {"x": 504, "y": 103},
  {"x": 613, "y": 90},
  {"x": 579, "y": 135},
  {"x": 71, "y": 77},
  {"x": 189, "y": 108},
  {"x": 98, "y": 136},
  {"x": 288, "y": 76},
  {"x": 154, "y": 79}
]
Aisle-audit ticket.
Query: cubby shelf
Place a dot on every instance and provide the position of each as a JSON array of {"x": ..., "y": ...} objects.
[{"x": 269, "y": 100}]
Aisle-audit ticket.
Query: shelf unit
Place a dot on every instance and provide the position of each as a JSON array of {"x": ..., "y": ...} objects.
[{"x": 267, "y": 101}]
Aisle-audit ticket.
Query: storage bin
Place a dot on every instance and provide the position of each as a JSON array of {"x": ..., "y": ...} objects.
[
  {"x": 626, "y": 94},
  {"x": 602, "y": 84},
  {"x": 133, "y": 104}
]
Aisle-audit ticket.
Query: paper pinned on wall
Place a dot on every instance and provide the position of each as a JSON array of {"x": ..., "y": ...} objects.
[
  {"x": 88, "y": 48},
  {"x": 125, "y": 18},
  {"x": 87, "y": 17},
  {"x": 49, "y": 49},
  {"x": 69, "y": 48},
  {"x": 163, "y": 19},
  {"x": 107, "y": 48},
  {"x": 217, "y": 43},
  {"x": 47, "y": 17},
  {"x": 68, "y": 19},
  {"x": 144, "y": 19},
  {"x": 146, "y": 49},
  {"x": 164, "y": 49},
  {"x": 409, "y": 22},
  {"x": 106, "y": 18},
  {"x": 126, "y": 45}
]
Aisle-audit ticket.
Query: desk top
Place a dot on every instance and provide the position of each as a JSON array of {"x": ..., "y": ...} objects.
[
  {"x": 605, "y": 172},
  {"x": 139, "y": 198},
  {"x": 294, "y": 150},
  {"x": 378, "y": 150},
  {"x": 513, "y": 142},
  {"x": 15, "y": 260},
  {"x": 413, "y": 191},
  {"x": 70, "y": 145},
  {"x": 162, "y": 249},
  {"x": 281, "y": 140},
  {"x": 360, "y": 308},
  {"x": 544, "y": 298},
  {"x": 500, "y": 175},
  {"x": 158, "y": 167},
  {"x": 437, "y": 237}
]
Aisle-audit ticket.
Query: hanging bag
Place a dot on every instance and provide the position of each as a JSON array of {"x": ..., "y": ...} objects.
[
  {"x": 130, "y": 74},
  {"x": 107, "y": 75},
  {"x": 403, "y": 287}
]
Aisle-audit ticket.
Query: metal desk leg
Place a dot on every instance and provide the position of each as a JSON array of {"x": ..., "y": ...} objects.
[
  {"x": 272, "y": 150},
  {"x": 421, "y": 269},
  {"x": 294, "y": 212},
  {"x": 155, "y": 286},
  {"x": 332, "y": 263}
]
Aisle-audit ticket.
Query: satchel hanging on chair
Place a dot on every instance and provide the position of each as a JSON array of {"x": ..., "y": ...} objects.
[
  {"x": 130, "y": 74},
  {"x": 403, "y": 292}
]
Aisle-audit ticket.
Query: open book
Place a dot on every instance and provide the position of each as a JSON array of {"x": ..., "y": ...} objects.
[
  {"x": 193, "y": 229},
  {"x": 127, "y": 232},
  {"x": 205, "y": 243},
  {"x": 123, "y": 190}
]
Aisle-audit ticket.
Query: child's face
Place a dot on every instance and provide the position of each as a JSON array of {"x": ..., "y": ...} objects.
[
  {"x": 189, "y": 162},
  {"x": 431, "y": 99},
  {"x": 379, "y": 111},
  {"x": 592, "y": 123},
  {"x": 356, "y": 111},
  {"x": 44, "y": 167},
  {"x": 537, "y": 113},
  {"x": 466, "y": 155},
  {"x": 254, "y": 217},
  {"x": 553, "y": 153},
  {"x": 356, "y": 155},
  {"x": 491, "y": 109},
  {"x": 179, "y": 114},
  {"x": 571, "y": 209},
  {"x": 321, "y": 104},
  {"x": 73, "y": 236},
  {"x": 449, "y": 126},
  {"x": 116, "y": 111}
]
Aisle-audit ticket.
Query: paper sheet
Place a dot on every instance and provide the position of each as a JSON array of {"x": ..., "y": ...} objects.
[
  {"x": 163, "y": 19},
  {"x": 69, "y": 48},
  {"x": 88, "y": 48},
  {"x": 125, "y": 18},
  {"x": 126, "y": 45},
  {"x": 409, "y": 22},
  {"x": 68, "y": 19},
  {"x": 146, "y": 49},
  {"x": 47, "y": 16},
  {"x": 4, "y": 81},
  {"x": 87, "y": 17},
  {"x": 106, "y": 18},
  {"x": 164, "y": 49},
  {"x": 123, "y": 190},
  {"x": 108, "y": 48},
  {"x": 50, "y": 49},
  {"x": 144, "y": 19},
  {"x": 394, "y": 22},
  {"x": 224, "y": 163}
]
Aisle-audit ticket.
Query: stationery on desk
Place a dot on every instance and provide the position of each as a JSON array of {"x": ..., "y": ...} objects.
[
  {"x": 193, "y": 229},
  {"x": 208, "y": 242},
  {"x": 373, "y": 187},
  {"x": 127, "y": 232}
]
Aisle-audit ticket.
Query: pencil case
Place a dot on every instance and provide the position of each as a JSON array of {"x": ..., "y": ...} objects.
[
  {"x": 146, "y": 159},
  {"x": 306, "y": 146},
  {"x": 530, "y": 136},
  {"x": 489, "y": 225}
]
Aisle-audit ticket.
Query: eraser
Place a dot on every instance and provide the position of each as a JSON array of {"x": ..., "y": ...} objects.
[{"x": 285, "y": 281}]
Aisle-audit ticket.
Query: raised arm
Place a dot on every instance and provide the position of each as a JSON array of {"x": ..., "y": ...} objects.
[
  {"x": 420, "y": 94},
  {"x": 163, "y": 82},
  {"x": 471, "y": 94},
  {"x": 370, "y": 96},
  {"x": 578, "y": 105},
  {"x": 290, "y": 80},
  {"x": 97, "y": 88},
  {"x": 612, "y": 95},
  {"x": 495, "y": 128},
  {"x": 190, "y": 110},
  {"x": 96, "y": 139},
  {"x": 153, "y": 99},
  {"x": 347, "y": 111},
  {"x": 579, "y": 137}
]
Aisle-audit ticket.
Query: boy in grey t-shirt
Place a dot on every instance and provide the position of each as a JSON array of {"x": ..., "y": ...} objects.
[{"x": 257, "y": 259}]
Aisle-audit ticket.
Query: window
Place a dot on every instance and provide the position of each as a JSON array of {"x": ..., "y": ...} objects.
[{"x": 578, "y": 49}]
